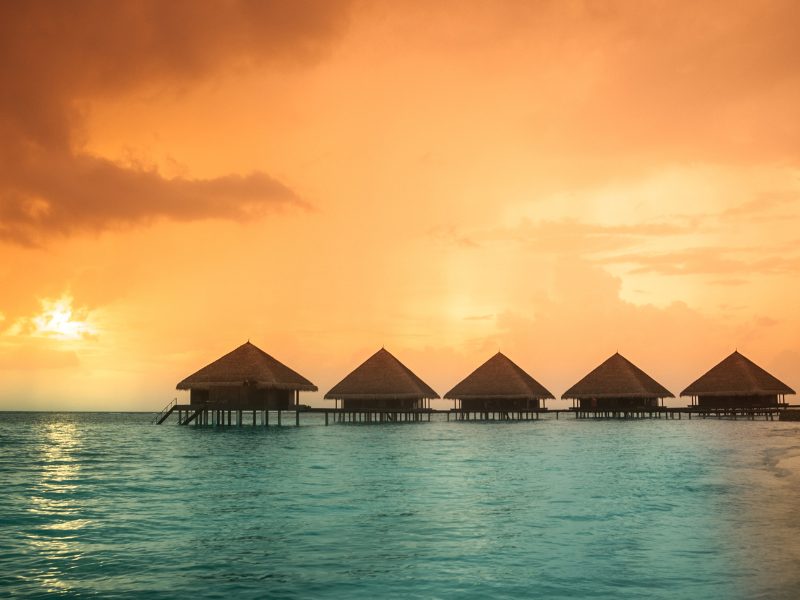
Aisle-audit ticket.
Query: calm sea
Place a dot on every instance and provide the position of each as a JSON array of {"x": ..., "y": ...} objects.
[{"x": 109, "y": 505}]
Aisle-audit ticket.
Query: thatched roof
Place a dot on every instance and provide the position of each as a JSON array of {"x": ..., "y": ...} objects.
[
  {"x": 247, "y": 364},
  {"x": 617, "y": 377},
  {"x": 498, "y": 377},
  {"x": 737, "y": 375},
  {"x": 381, "y": 376}
]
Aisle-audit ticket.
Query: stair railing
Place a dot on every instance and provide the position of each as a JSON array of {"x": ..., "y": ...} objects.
[{"x": 168, "y": 408}]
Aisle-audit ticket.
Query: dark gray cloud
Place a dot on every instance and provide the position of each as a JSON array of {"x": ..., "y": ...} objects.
[{"x": 56, "y": 55}]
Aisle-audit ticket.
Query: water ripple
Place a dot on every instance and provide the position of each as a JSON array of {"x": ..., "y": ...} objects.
[{"x": 111, "y": 506}]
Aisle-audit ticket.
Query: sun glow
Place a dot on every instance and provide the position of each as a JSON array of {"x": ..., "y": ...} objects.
[{"x": 59, "y": 320}]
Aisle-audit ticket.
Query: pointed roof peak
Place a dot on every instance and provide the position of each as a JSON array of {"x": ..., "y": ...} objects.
[
  {"x": 498, "y": 377},
  {"x": 248, "y": 363},
  {"x": 381, "y": 376},
  {"x": 737, "y": 375},
  {"x": 617, "y": 377}
]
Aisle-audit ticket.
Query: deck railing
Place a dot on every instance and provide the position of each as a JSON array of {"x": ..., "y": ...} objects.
[{"x": 165, "y": 412}]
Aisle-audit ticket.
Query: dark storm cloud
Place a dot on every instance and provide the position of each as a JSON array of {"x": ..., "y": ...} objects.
[{"x": 56, "y": 55}]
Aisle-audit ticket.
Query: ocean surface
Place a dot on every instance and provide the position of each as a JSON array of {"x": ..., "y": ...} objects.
[{"x": 109, "y": 505}]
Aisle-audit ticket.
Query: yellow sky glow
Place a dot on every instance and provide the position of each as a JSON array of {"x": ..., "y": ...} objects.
[{"x": 555, "y": 180}]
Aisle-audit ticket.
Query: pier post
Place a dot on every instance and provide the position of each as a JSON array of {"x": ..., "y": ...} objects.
[{"x": 279, "y": 417}]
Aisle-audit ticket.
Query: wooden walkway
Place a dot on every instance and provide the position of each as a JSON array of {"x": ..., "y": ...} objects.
[
  {"x": 688, "y": 412},
  {"x": 188, "y": 414},
  {"x": 495, "y": 415},
  {"x": 210, "y": 415}
]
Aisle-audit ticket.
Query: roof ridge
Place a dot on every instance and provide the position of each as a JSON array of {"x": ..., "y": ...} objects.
[
  {"x": 522, "y": 375},
  {"x": 263, "y": 355},
  {"x": 416, "y": 380},
  {"x": 747, "y": 365},
  {"x": 638, "y": 373}
]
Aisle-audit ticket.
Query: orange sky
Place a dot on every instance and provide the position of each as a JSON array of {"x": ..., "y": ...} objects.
[{"x": 558, "y": 180}]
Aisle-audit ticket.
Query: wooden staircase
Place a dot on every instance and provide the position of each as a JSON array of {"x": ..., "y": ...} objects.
[
  {"x": 191, "y": 416},
  {"x": 166, "y": 412}
]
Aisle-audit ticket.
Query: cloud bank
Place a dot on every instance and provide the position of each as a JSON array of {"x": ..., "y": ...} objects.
[{"x": 56, "y": 56}]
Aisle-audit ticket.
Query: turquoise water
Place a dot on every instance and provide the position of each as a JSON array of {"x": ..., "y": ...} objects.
[{"x": 112, "y": 506}]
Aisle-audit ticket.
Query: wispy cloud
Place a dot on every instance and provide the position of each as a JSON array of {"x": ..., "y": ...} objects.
[
  {"x": 570, "y": 236},
  {"x": 710, "y": 261},
  {"x": 765, "y": 207}
]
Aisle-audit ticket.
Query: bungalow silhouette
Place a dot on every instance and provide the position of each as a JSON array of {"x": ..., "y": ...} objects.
[
  {"x": 737, "y": 382},
  {"x": 246, "y": 379},
  {"x": 382, "y": 383},
  {"x": 617, "y": 385},
  {"x": 498, "y": 385}
]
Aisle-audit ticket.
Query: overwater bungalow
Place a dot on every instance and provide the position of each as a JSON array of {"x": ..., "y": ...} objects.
[
  {"x": 617, "y": 385},
  {"x": 246, "y": 379},
  {"x": 737, "y": 382},
  {"x": 382, "y": 383},
  {"x": 498, "y": 385}
]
